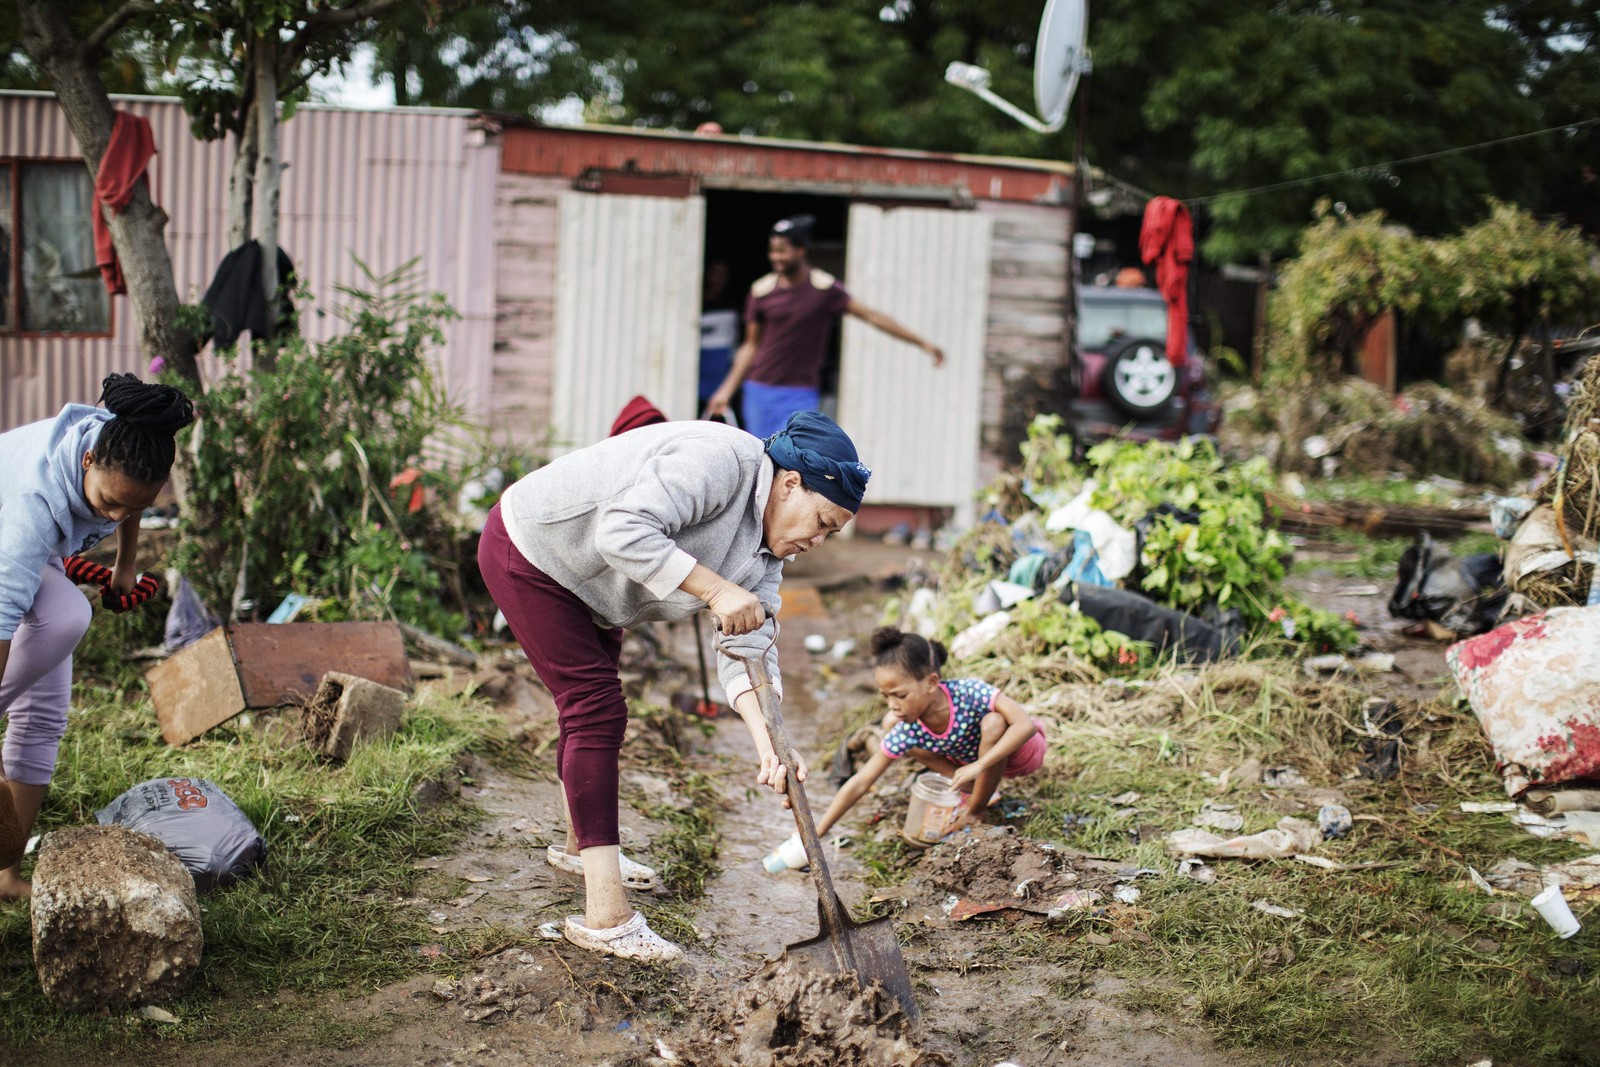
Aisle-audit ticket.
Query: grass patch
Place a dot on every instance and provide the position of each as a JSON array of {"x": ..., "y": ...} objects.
[
  {"x": 341, "y": 843},
  {"x": 1408, "y": 956}
]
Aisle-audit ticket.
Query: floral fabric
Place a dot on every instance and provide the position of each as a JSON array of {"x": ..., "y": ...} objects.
[{"x": 1535, "y": 687}]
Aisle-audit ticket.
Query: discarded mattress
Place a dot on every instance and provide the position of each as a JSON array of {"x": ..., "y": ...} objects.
[{"x": 1535, "y": 687}]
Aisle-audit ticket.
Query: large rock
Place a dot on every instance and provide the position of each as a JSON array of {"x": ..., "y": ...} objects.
[{"x": 115, "y": 919}]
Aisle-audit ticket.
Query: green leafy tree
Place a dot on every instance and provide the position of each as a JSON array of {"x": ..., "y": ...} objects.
[
  {"x": 1514, "y": 271},
  {"x": 1349, "y": 271}
]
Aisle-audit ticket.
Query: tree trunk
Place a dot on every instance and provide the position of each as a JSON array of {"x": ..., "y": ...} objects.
[
  {"x": 137, "y": 233},
  {"x": 241, "y": 183},
  {"x": 265, "y": 205}
]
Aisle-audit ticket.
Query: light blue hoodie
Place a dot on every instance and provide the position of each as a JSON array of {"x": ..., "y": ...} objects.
[{"x": 43, "y": 513}]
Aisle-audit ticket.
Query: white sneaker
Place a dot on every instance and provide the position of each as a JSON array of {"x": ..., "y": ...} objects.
[
  {"x": 634, "y": 875},
  {"x": 633, "y": 940}
]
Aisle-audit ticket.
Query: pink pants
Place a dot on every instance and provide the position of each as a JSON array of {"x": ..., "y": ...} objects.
[
  {"x": 577, "y": 661},
  {"x": 37, "y": 686}
]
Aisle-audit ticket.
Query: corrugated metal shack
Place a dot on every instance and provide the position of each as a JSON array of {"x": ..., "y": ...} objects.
[
  {"x": 604, "y": 232},
  {"x": 577, "y": 257}
]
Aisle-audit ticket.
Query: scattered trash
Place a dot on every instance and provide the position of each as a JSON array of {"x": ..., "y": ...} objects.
[
  {"x": 1382, "y": 725},
  {"x": 1480, "y": 881},
  {"x": 1115, "y": 549},
  {"x": 1142, "y": 619},
  {"x": 1464, "y": 596},
  {"x": 1557, "y": 801},
  {"x": 1196, "y": 871},
  {"x": 1126, "y": 894},
  {"x": 188, "y": 620},
  {"x": 979, "y": 635},
  {"x": 157, "y": 1015},
  {"x": 551, "y": 931},
  {"x": 999, "y": 595},
  {"x": 1507, "y": 513},
  {"x": 1552, "y": 906},
  {"x": 1579, "y": 824},
  {"x": 1531, "y": 683},
  {"x": 1073, "y": 821},
  {"x": 447, "y": 988},
  {"x": 1291, "y": 836},
  {"x": 1219, "y": 817},
  {"x": 1371, "y": 663},
  {"x": 288, "y": 609},
  {"x": 843, "y": 647},
  {"x": 1282, "y": 778},
  {"x": 1073, "y": 900},
  {"x": 1335, "y": 821},
  {"x": 1124, "y": 799},
  {"x": 1492, "y": 807},
  {"x": 197, "y": 822},
  {"x": 1273, "y": 909},
  {"x": 817, "y": 643},
  {"x": 1247, "y": 773},
  {"x": 789, "y": 856}
]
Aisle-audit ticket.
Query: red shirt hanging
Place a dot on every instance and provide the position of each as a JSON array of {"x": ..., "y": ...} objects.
[
  {"x": 129, "y": 152},
  {"x": 1167, "y": 239}
]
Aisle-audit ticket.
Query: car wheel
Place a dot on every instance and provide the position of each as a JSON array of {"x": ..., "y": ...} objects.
[{"x": 1138, "y": 377}]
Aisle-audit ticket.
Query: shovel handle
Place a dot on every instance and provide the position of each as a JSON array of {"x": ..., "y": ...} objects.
[
  {"x": 832, "y": 911},
  {"x": 834, "y": 920}
]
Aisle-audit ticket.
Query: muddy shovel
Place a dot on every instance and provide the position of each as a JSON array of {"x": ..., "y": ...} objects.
[{"x": 869, "y": 950}]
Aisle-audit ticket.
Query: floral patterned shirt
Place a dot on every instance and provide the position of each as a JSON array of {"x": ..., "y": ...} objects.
[{"x": 970, "y": 700}]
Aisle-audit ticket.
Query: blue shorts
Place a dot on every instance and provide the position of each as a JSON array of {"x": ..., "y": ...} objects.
[{"x": 767, "y": 407}]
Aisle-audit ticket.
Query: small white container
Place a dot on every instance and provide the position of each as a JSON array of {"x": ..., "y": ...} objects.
[
  {"x": 1553, "y": 906},
  {"x": 789, "y": 856}
]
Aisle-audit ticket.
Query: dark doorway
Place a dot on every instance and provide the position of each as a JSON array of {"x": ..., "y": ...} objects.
[{"x": 737, "y": 224}]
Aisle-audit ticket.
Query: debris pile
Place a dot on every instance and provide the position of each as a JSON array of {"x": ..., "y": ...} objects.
[{"x": 1105, "y": 564}]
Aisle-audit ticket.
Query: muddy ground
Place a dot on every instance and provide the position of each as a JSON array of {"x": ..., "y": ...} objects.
[{"x": 531, "y": 1001}]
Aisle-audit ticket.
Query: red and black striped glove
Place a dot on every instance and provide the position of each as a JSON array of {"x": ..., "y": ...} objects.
[
  {"x": 143, "y": 590},
  {"x": 84, "y": 572}
]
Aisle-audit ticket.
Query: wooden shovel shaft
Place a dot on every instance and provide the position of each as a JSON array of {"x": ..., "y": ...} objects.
[{"x": 831, "y": 910}]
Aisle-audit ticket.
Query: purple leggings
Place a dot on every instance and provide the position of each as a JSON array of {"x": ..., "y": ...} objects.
[
  {"x": 577, "y": 661},
  {"x": 37, "y": 686}
]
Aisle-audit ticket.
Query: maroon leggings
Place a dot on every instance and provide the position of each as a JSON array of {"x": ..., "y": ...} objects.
[{"x": 577, "y": 661}]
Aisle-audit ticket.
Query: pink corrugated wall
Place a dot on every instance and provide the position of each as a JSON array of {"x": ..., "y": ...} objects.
[{"x": 384, "y": 185}]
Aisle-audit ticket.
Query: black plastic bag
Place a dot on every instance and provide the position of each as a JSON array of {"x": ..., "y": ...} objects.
[
  {"x": 1142, "y": 619},
  {"x": 197, "y": 822},
  {"x": 1465, "y": 595}
]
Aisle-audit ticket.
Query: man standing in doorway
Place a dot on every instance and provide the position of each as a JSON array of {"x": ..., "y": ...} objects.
[{"x": 789, "y": 318}]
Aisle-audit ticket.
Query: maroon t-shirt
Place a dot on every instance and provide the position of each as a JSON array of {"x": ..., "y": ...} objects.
[{"x": 796, "y": 323}]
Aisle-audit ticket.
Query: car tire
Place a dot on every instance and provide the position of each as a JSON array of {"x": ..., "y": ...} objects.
[{"x": 1138, "y": 378}]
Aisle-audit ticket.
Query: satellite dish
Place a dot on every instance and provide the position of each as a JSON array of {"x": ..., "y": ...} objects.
[{"x": 1059, "y": 57}]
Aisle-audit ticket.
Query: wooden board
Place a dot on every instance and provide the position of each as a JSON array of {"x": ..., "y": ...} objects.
[
  {"x": 284, "y": 664},
  {"x": 196, "y": 689},
  {"x": 260, "y": 665}
]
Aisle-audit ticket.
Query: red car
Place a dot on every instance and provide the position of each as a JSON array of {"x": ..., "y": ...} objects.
[{"x": 1122, "y": 382}]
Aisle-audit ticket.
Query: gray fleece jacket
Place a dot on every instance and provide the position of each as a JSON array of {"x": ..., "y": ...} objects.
[
  {"x": 623, "y": 522},
  {"x": 43, "y": 513}
]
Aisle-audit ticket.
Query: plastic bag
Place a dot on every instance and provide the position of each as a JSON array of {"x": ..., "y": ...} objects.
[
  {"x": 188, "y": 620},
  {"x": 197, "y": 822}
]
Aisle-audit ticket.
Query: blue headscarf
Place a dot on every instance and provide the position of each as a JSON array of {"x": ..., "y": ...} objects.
[{"x": 823, "y": 455}]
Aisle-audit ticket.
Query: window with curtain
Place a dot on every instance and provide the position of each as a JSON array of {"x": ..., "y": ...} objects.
[{"x": 49, "y": 282}]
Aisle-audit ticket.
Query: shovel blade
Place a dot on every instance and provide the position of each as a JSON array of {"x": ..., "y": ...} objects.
[{"x": 877, "y": 955}]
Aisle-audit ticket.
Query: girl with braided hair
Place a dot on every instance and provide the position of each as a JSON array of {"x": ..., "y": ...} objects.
[{"x": 65, "y": 484}]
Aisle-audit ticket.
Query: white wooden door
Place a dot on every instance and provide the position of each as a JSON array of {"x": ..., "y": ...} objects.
[
  {"x": 627, "y": 314},
  {"x": 917, "y": 427}
]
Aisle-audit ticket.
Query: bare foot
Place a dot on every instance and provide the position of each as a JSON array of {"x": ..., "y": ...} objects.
[{"x": 13, "y": 886}]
